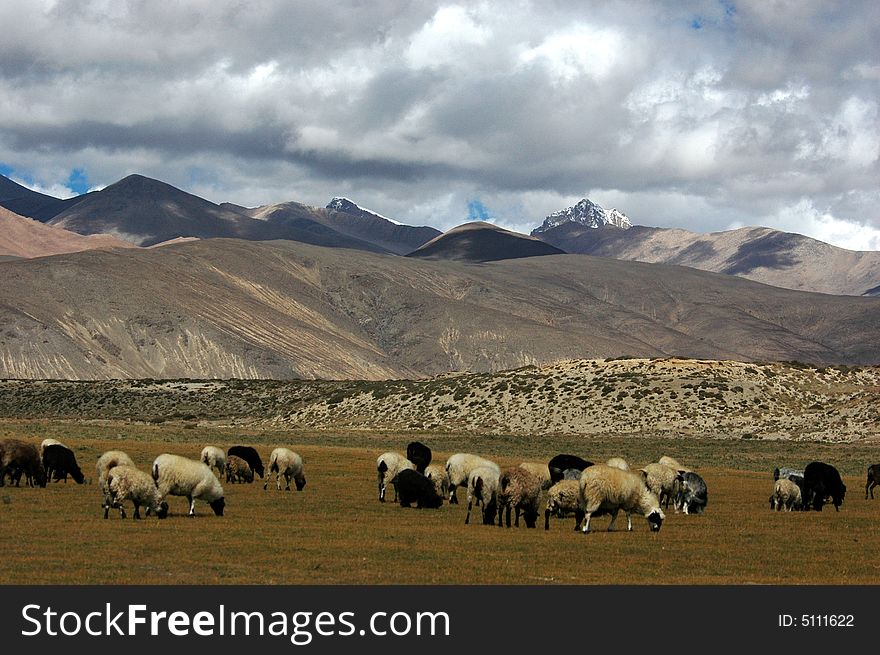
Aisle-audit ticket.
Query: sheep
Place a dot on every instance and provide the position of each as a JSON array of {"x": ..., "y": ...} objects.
[
  {"x": 416, "y": 488},
  {"x": 820, "y": 481},
  {"x": 618, "y": 463},
  {"x": 459, "y": 467},
  {"x": 179, "y": 476},
  {"x": 129, "y": 483},
  {"x": 518, "y": 489},
  {"x": 19, "y": 457},
  {"x": 562, "y": 500},
  {"x": 106, "y": 462},
  {"x": 873, "y": 480},
  {"x": 540, "y": 471},
  {"x": 49, "y": 442},
  {"x": 603, "y": 487},
  {"x": 436, "y": 473},
  {"x": 560, "y": 463},
  {"x": 59, "y": 461},
  {"x": 483, "y": 486},
  {"x": 250, "y": 455},
  {"x": 214, "y": 458},
  {"x": 571, "y": 474},
  {"x": 692, "y": 496},
  {"x": 672, "y": 463},
  {"x": 287, "y": 464},
  {"x": 419, "y": 454},
  {"x": 237, "y": 470},
  {"x": 661, "y": 481},
  {"x": 785, "y": 494},
  {"x": 789, "y": 473},
  {"x": 388, "y": 465}
]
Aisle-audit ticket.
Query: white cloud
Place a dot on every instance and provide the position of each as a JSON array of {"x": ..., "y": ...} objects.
[
  {"x": 806, "y": 219},
  {"x": 445, "y": 39}
]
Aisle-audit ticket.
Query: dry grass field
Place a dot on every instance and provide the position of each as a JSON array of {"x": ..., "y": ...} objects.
[{"x": 336, "y": 531}]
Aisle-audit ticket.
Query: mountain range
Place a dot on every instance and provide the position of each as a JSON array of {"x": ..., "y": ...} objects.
[{"x": 221, "y": 308}]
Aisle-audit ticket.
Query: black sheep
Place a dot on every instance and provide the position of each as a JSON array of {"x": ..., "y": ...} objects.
[
  {"x": 17, "y": 457},
  {"x": 59, "y": 462},
  {"x": 413, "y": 487},
  {"x": 250, "y": 455},
  {"x": 560, "y": 463},
  {"x": 820, "y": 481},
  {"x": 419, "y": 454},
  {"x": 873, "y": 480}
]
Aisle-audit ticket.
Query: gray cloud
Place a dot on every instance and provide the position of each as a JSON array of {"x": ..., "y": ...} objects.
[{"x": 702, "y": 115}]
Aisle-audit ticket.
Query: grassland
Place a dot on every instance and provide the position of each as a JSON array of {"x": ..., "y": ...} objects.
[{"x": 336, "y": 531}]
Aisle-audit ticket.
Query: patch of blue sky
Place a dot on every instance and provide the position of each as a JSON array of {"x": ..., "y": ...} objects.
[
  {"x": 477, "y": 211},
  {"x": 78, "y": 182}
]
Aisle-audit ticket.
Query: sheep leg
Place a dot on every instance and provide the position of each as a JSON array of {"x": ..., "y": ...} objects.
[
  {"x": 507, "y": 515},
  {"x": 629, "y": 522},
  {"x": 137, "y": 511},
  {"x": 453, "y": 499},
  {"x": 547, "y": 519},
  {"x": 578, "y": 517},
  {"x": 381, "y": 489},
  {"x": 516, "y": 522},
  {"x": 287, "y": 479},
  {"x": 613, "y": 518},
  {"x": 192, "y": 505},
  {"x": 467, "y": 519},
  {"x": 586, "y": 527}
]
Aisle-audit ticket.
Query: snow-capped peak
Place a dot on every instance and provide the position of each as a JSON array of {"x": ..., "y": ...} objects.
[
  {"x": 341, "y": 204},
  {"x": 585, "y": 213}
]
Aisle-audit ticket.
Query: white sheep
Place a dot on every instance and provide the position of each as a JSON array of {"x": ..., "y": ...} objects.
[
  {"x": 608, "y": 489},
  {"x": 459, "y": 467},
  {"x": 519, "y": 489},
  {"x": 388, "y": 465},
  {"x": 563, "y": 500},
  {"x": 661, "y": 480},
  {"x": 618, "y": 463},
  {"x": 180, "y": 476},
  {"x": 436, "y": 473},
  {"x": 129, "y": 483},
  {"x": 285, "y": 463},
  {"x": 672, "y": 463},
  {"x": 483, "y": 488},
  {"x": 214, "y": 458},
  {"x": 540, "y": 471},
  {"x": 786, "y": 494},
  {"x": 106, "y": 462}
]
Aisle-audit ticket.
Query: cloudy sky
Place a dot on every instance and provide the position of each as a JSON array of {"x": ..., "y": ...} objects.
[{"x": 705, "y": 115}]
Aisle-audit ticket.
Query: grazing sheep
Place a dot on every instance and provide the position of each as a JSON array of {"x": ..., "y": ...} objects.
[
  {"x": 693, "y": 496},
  {"x": 179, "y": 476},
  {"x": 106, "y": 462},
  {"x": 661, "y": 481},
  {"x": 560, "y": 463},
  {"x": 618, "y": 463},
  {"x": 436, "y": 473},
  {"x": 414, "y": 487},
  {"x": 604, "y": 488},
  {"x": 49, "y": 442},
  {"x": 459, "y": 467},
  {"x": 822, "y": 480},
  {"x": 17, "y": 457},
  {"x": 785, "y": 494},
  {"x": 672, "y": 463},
  {"x": 540, "y": 471},
  {"x": 563, "y": 500},
  {"x": 518, "y": 489},
  {"x": 129, "y": 483},
  {"x": 788, "y": 473},
  {"x": 419, "y": 454},
  {"x": 237, "y": 470},
  {"x": 287, "y": 464},
  {"x": 388, "y": 465},
  {"x": 214, "y": 458},
  {"x": 483, "y": 487},
  {"x": 59, "y": 461},
  {"x": 250, "y": 455},
  {"x": 873, "y": 480}
]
